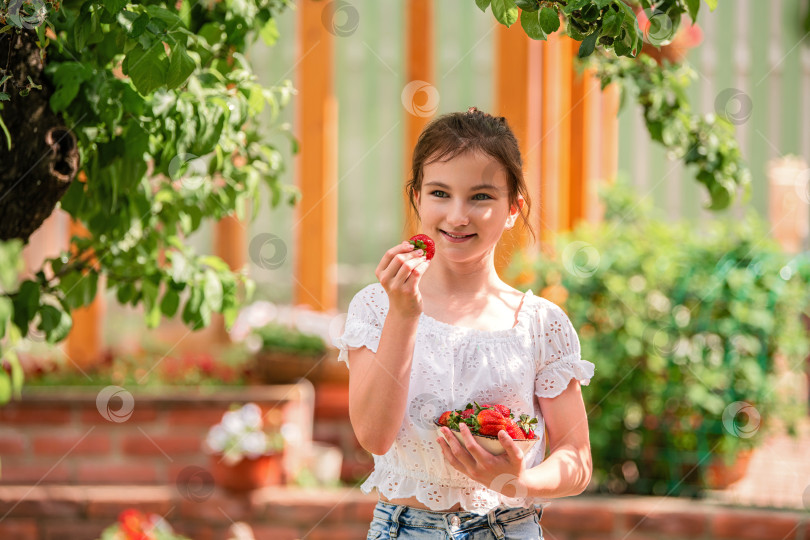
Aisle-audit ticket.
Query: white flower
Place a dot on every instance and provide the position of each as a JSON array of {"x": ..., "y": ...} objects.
[
  {"x": 217, "y": 438},
  {"x": 233, "y": 423},
  {"x": 251, "y": 415},
  {"x": 254, "y": 444}
]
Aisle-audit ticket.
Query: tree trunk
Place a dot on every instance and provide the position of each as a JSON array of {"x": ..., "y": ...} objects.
[{"x": 43, "y": 159}]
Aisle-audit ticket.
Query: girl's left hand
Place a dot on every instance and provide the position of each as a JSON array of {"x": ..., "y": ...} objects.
[{"x": 503, "y": 473}]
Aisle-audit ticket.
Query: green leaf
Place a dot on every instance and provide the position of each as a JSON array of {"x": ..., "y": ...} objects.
[
  {"x": 505, "y": 11},
  {"x": 213, "y": 290},
  {"x": 269, "y": 32},
  {"x": 612, "y": 23},
  {"x": 528, "y": 5},
  {"x": 170, "y": 302},
  {"x": 6, "y": 311},
  {"x": 180, "y": 67},
  {"x": 148, "y": 69},
  {"x": 693, "y": 6},
  {"x": 113, "y": 7},
  {"x": 68, "y": 77},
  {"x": 482, "y": 4},
  {"x": 549, "y": 20},
  {"x": 712, "y": 4},
  {"x": 163, "y": 14},
  {"x": 55, "y": 322},
  {"x": 531, "y": 25},
  {"x": 11, "y": 262},
  {"x": 588, "y": 44},
  {"x": 26, "y": 303}
]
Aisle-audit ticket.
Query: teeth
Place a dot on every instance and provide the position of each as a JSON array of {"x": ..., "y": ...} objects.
[{"x": 454, "y": 236}]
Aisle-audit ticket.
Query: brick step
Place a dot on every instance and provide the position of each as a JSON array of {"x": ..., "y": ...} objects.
[{"x": 30, "y": 512}]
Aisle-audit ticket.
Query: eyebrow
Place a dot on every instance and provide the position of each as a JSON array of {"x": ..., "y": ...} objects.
[{"x": 479, "y": 186}]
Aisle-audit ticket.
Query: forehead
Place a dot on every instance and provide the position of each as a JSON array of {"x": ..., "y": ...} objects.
[{"x": 466, "y": 170}]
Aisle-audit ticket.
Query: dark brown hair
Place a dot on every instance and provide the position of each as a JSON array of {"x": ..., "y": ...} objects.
[{"x": 456, "y": 133}]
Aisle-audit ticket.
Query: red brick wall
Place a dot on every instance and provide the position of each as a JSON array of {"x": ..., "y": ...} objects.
[
  {"x": 79, "y": 513},
  {"x": 332, "y": 426},
  {"x": 58, "y": 436}
]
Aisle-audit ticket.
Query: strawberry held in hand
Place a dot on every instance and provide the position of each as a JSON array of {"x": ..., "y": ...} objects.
[{"x": 424, "y": 242}]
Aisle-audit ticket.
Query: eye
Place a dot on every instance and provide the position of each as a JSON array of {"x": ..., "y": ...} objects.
[
  {"x": 437, "y": 191},
  {"x": 484, "y": 194}
]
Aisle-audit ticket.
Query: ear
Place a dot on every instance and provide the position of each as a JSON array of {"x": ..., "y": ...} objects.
[{"x": 514, "y": 212}]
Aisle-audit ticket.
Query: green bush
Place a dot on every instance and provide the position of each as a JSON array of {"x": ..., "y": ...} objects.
[
  {"x": 685, "y": 324},
  {"x": 281, "y": 338}
]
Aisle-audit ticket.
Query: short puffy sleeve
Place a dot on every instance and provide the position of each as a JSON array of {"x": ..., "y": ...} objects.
[
  {"x": 559, "y": 358},
  {"x": 363, "y": 324}
]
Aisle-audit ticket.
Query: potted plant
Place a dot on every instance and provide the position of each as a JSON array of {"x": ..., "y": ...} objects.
[
  {"x": 287, "y": 354},
  {"x": 133, "y": 524},
  {"x": 694, "y": 327},
  {"x": 243, "y": 456}
]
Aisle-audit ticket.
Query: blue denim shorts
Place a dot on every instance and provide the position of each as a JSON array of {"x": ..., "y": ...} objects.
[{"x": 407, "y": 523}]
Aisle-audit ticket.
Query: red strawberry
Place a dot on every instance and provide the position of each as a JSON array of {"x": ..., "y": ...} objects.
[
  {"x": 466, "y": 413},
  {"x": 503, "y": 409},
  {"x": 443, "y": 418},
  {"x": 424, "y": 242},
  {"x": 527, "y": 425},
  {"x": 491, "y": 422},
  {"x": 515, "y": 432}
]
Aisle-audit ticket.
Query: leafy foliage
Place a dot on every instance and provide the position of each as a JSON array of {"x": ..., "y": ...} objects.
[
  {"x": 612, "y": 26},
  {"x": 161, "y": 98},
  {"x": 682, "y": 323},
  {"x": 607, "y": 24},
  {"x": 705, "y": 141}
]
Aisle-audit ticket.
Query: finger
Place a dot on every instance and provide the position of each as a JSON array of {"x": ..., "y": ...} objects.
[
  {"x": 448, "y": 454},
  {"x": 512, "y": 449},
  {"x": 389, "y": 255},
  {"x": 407, "y": 267},
  {"x": 395, "y": 274},
  {"x": 417, "y": 273},
  {"x": 476, "y": 450},
  {"x": 458, "y": 450}
]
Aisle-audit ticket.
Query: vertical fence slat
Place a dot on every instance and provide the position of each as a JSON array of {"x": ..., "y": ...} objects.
[
  {"x": 517, "y": 85},
  {"x": 315, "y": 223},
  {"x": 419, "y": 66}
]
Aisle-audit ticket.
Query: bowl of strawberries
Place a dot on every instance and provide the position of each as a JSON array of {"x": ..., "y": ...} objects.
[{"x": 485, "y": 421}]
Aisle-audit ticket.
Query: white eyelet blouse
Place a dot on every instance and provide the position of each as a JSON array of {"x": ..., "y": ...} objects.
[{"x": 453, "y": 366}]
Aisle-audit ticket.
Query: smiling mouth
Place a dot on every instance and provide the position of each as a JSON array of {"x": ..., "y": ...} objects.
[{"x": 457, "y": 237}]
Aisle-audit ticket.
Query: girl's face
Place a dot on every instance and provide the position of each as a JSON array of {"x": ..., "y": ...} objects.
[{"x": 465, "y": 196}]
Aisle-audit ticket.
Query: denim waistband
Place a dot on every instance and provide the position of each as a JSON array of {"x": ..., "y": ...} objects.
[{"x": 451, "y": 521}]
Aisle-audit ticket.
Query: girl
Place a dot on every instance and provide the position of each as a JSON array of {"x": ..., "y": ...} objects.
[{"x": 435, "y": 335}]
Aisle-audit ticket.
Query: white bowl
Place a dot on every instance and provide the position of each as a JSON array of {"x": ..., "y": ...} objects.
[{"x": 489, "y": 443}]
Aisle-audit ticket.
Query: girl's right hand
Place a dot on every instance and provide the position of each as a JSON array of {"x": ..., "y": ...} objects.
[{"x": 399, "y": 272}]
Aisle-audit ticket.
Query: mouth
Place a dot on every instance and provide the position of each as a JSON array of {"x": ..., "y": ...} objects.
[{"x": 456, "y": 238}]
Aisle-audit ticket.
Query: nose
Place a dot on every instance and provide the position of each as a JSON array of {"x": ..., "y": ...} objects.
[{"x": 459, "y": 215}]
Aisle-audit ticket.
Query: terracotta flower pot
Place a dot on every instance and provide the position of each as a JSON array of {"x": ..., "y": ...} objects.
[
  {"x": 720, "y": 476},
  {"x": 249, "y": 473}
]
